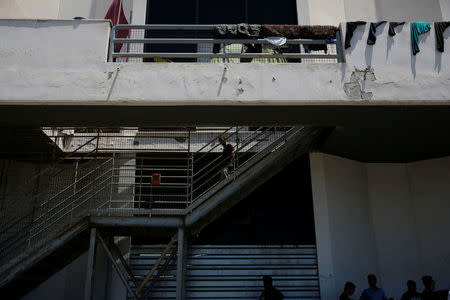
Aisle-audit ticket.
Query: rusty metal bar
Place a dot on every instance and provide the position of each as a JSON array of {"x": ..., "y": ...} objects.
[{"x": 158, "y": 262}]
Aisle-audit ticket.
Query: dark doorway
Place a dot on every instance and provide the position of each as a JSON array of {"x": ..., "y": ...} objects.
[{"x": 212, "y": 12}]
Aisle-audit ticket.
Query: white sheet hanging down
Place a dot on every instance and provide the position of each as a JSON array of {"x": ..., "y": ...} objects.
[{"x": 276, "y": 40}]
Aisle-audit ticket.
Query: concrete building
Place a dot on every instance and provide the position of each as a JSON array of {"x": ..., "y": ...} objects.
[{"x": 111, "y": 182}]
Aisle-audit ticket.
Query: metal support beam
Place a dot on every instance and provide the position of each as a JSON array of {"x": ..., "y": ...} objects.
[
  {"x": 137, "y": 222},
  {"x": 116, "y": 266},
  {"x": 181, "y": 264},
  {"x": 158, "y": 262},
  {"x": 90, "y": 266},
  {"x": 161, "y": 273},
  {"x": 116, "y": 251}
]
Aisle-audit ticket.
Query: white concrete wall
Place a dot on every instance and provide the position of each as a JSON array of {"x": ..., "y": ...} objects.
[
  {"x": 347, "y": 244},
  {"x": 59, "y": 9},
  {"x": 37, "y": 9},
  {"x": 387, "y": 219},
  {"x": 70, "y": 66},
  {"x": 331, "y": 12},
  {"x": 90, "y": 9},
  {"x": 51, "y": 45}
]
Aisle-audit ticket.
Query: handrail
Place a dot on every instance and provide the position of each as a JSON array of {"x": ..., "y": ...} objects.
[
  {"x": 224, "y": 41},
  {"x": 244, "y": 167},
  {"x": 21, "y": 218},
  {"x": 214, "y": 162},
  {"x": 75, "y": 182},
  {"x": 215, "y": 41},
  {"x": 247, "y": 143}
]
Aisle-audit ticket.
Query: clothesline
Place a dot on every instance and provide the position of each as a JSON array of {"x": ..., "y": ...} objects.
[{"x": 417, "y": 28}]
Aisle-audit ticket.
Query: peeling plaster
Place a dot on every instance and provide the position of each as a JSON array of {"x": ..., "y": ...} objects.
[{"x": 355, "y": 88}]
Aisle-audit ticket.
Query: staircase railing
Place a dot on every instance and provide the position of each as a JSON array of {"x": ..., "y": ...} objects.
[
  {"x": 114, "y": 186},
  {"x": 54, "y": 214}
]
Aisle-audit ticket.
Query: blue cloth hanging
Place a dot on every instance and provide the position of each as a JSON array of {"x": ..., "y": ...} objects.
[{"x": 418, "y": 28}]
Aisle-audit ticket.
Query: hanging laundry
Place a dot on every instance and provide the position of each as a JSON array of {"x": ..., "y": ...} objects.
[
  {"x": 392, "y": 26},
  {"x": 299, "y": 31},
  {"x": 350, "y": 29},
  {"x": 418, "y": 28},
  {"x": 234, "y": 31},
  {"x": 277, "y": 41},
  {"x": 439, "y": 28},
  {"x": 372, "y": 38},
  {"x": 117, "y": 16},
  {"x": 250, "y": 48}
]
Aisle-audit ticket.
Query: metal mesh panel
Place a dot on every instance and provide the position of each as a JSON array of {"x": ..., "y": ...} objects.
[{"x": 135, "y": 47}]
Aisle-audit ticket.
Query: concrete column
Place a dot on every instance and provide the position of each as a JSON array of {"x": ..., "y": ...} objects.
[
  {"x": 181, "y": 264},
  {"x": 303, "y": 12},
  {"x": 322, "y": 224}
]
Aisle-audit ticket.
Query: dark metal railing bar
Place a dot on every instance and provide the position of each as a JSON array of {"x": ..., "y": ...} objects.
[
  {"x": 214, "y": 161},
  {"x": 224, "y": 55},
  {"x": 76, "y": 182},
  {"x": 228, "y": 137},
  {"x": 215, "y": 139},
  {"x": 247, "y": 141},
  {"x": 215, "y": 41},
  {"x": 165, "y": 27},
  {"x": 72, "y": 195},
  {"x": 59, "y": 204}
]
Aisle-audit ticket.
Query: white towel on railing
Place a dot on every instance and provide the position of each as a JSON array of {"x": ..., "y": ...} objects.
[{"x": 276, "y": 40}]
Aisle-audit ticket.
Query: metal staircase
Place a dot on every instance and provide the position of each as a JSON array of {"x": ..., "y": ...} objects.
[{"x": 182, "y": 184}]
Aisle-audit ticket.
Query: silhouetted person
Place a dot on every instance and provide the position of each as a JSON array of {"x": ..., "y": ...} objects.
[
  {"x": 349, "y": 290},
  {"x": 373, "y": 292},
  {"x": 270, "y": 293},
  {"x": 411, "y": 293},
  {"x": 227, "y": 159}
]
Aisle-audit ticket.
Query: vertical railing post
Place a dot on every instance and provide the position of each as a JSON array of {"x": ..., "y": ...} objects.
[
  {"x": 339, "y": 48},
  {"x": 188, "y": 161},
  {"x": 235, "y": 162},
  {"x": 112, "y": 184},
  {"x": 74, "y": 191},
  {"x": 90, "y": 266},
  {"x": 141, "y": 163},
  {"x": 191, "y": 179},
  {"x": 181, "y": 264},
  {"x": 111, "y": 44}
]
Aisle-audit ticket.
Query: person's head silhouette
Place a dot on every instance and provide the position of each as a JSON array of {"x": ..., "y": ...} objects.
[
  {"x": 411, "y": 284},
  {"x": 267, "y": 279}
]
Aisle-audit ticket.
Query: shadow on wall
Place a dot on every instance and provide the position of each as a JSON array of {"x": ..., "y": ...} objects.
[
  {"x": 369, "y": 48},
  {"x": 422, "y": 40},
  {"x": 391, "y": 40}
]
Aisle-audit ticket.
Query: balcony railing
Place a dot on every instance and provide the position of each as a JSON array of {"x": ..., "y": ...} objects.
[{"x": 133, "y": 46}]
